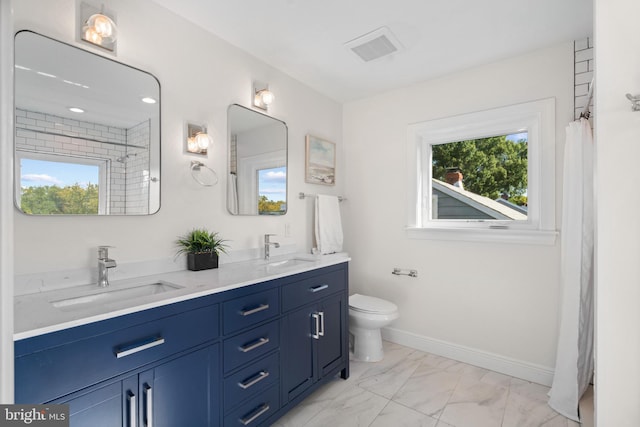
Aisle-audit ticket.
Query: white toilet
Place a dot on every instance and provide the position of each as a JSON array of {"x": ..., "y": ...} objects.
[{"x": 366, "y": 316}]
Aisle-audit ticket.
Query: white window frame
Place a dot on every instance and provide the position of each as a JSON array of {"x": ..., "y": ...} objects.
[
  {"x": 103, "y": 173},
  {"x": 537, "y": 118}
]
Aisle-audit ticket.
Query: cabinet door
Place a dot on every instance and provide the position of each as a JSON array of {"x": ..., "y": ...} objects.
[
  {"x": 297, "y": 352},
  {"x": 182, "y": 392},
  {"x": 331, "y": 349},
  {"x": 100, "y": 407}
]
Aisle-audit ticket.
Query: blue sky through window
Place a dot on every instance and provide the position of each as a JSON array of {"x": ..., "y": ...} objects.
[
  {"x": 273, "y": 183},
  {"x": 37, "y": 173}
]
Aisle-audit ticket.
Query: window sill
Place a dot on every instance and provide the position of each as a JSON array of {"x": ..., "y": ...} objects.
[{"x": 510, "y": 236}]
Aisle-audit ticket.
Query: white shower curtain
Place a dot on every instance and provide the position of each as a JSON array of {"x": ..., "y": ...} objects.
[
  {"x": 574, "y": 360},
  {"x": 232, "y": 193}
]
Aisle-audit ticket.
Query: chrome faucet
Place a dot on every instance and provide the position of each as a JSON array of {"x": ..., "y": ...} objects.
[
  {"x": 268, "y": 244},
  {"x": 104, "y": 264}
]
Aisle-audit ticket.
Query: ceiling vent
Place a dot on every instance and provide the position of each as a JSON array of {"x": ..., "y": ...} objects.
[{"x": 376, "y": 44}]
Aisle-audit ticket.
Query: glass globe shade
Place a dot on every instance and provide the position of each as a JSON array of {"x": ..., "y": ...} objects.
[{"x": 203, "y": 140}]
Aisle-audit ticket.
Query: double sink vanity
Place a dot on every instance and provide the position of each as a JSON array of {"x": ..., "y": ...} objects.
[{"x": 235, "y": 346}]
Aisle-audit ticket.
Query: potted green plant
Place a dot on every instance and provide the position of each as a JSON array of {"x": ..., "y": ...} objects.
[{"x": 202, "y": 248}]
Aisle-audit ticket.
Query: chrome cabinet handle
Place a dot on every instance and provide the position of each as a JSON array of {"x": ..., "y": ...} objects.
[
  {"x": 258, "y": 411},
  {"x": 133, "y": 409},
  {"x": 257, "y": 309},
  {"x": 253, "y": 380},
  {"x": 316, "y": 332},
  {"x": 318, "y": 288},
  {"x": 321, "y": 331},
  {"x": 145, "y": 344},
  {"x": 148, "y": 395},
  {"x": 252, "y": 346}
]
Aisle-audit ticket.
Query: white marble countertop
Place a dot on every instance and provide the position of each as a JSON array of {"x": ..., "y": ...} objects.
[{"x": 35, "y": 315}]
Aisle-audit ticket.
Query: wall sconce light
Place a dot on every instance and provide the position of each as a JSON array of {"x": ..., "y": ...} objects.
[
  {"x": 97, "y": 27},
  {"x": 198, "y": 140},
  {"x": 262, "y": 96}
]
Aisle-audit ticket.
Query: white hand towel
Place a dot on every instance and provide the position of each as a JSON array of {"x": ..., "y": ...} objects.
[{"x": 328, "y": 225}]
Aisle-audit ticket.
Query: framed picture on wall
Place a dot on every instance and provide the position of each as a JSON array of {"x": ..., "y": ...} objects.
[{"x": 320, "y": 164}]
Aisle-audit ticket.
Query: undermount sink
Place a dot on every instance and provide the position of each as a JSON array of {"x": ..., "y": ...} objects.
[
  {"x": 278, "y": 262},
  {"x": 289, "y": 262},
  {"x": 107, "y": 295}
]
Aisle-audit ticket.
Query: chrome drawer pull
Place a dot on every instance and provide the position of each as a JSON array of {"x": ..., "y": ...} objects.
[
  {"x": 316, "y": 332},
  {"x": 133, "y": 409},
  {"x": 321, "y": 331},
  {"x": 319, "y": 288},
  {"x": 257, "y": 309},
  {"x": 128, "y": 350},
  {"x": 254, "y": 380},
  {"x": 252, "y": 346},
  {"x": 148, "y": 391},
  {"x": 261, "y": 410}
]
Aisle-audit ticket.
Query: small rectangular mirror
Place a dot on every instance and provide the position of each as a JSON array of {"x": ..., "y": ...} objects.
[
  {"x": 87, "y": 132},
  {"x": 257, "y": 163}
]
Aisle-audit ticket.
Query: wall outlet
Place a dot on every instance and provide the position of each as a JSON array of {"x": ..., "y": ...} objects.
[{"x": 287, "y": 230}]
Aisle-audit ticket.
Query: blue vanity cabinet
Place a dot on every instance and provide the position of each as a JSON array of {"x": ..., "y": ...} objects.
[
  {"x": 241, "y": 357},
  {"x": 316, "y": 331},
  {"x": 162, "y": 362}
]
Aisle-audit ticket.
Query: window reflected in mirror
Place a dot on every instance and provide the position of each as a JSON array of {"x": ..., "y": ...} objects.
[
  {"x": 272, "y": 191},
  {"x": 61, "y": 185},
  {"x": 481, "y": 179}
]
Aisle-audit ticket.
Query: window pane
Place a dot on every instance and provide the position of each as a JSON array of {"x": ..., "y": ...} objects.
[
  {"x": 272, "y": 191},
  {"x": 52, "y": 187},
  {"x": 480, "y": 179}
]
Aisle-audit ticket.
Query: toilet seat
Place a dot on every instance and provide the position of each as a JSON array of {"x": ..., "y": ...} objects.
[{"x": 373, "y": 305}]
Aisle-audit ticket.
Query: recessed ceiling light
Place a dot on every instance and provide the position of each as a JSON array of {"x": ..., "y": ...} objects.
[
  {"x": 20, "y": 67},
  {"x": 149, "y": 100},
  {"x": 76, "y": 110}
]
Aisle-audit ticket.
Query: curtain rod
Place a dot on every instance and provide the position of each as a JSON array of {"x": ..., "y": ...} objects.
[{"x": 44, "y": 132}]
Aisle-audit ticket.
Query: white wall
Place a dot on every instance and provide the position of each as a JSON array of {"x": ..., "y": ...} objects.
[
  {"x": 200, "y": 75},
  {"x": 493, "y": 299},
  {"x": 6, "y": 204},
  {"x": 617, "y": 43}
]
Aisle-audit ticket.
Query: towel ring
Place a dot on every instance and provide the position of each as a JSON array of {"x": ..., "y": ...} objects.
[{"x": 197, "y": 166}]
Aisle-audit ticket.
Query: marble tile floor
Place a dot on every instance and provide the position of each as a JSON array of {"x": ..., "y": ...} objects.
[{"x": 412, "y": 388}]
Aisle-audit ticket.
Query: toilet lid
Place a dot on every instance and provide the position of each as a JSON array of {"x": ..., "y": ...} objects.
[{"x": 369, "y": 304}]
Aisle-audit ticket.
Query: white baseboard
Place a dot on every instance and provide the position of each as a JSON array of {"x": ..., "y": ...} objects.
[{"x": 494, "y": 362}]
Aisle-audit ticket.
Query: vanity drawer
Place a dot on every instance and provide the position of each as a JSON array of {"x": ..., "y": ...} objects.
[
  {"x": 312, "y": 289},
  {"x": 256, "y": 410},
  {"x": 250, "y": 345},
  {"x": 53, "y": 372},
  {"x": 251, "y": 380},
  {"x": 249, "y": 310}
]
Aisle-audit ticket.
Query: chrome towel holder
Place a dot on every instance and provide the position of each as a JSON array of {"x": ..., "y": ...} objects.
[
  {"x": 197, "y": 166},
  {"x": 635, "y": 102}
]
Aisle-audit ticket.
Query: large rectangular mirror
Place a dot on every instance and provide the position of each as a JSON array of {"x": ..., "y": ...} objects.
[
  {"x": 257, "y": 163},
  {"x": 87, "y": 139}
]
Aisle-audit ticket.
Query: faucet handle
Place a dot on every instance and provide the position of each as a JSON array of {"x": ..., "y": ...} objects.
[{"x": 103, "y": 251}]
